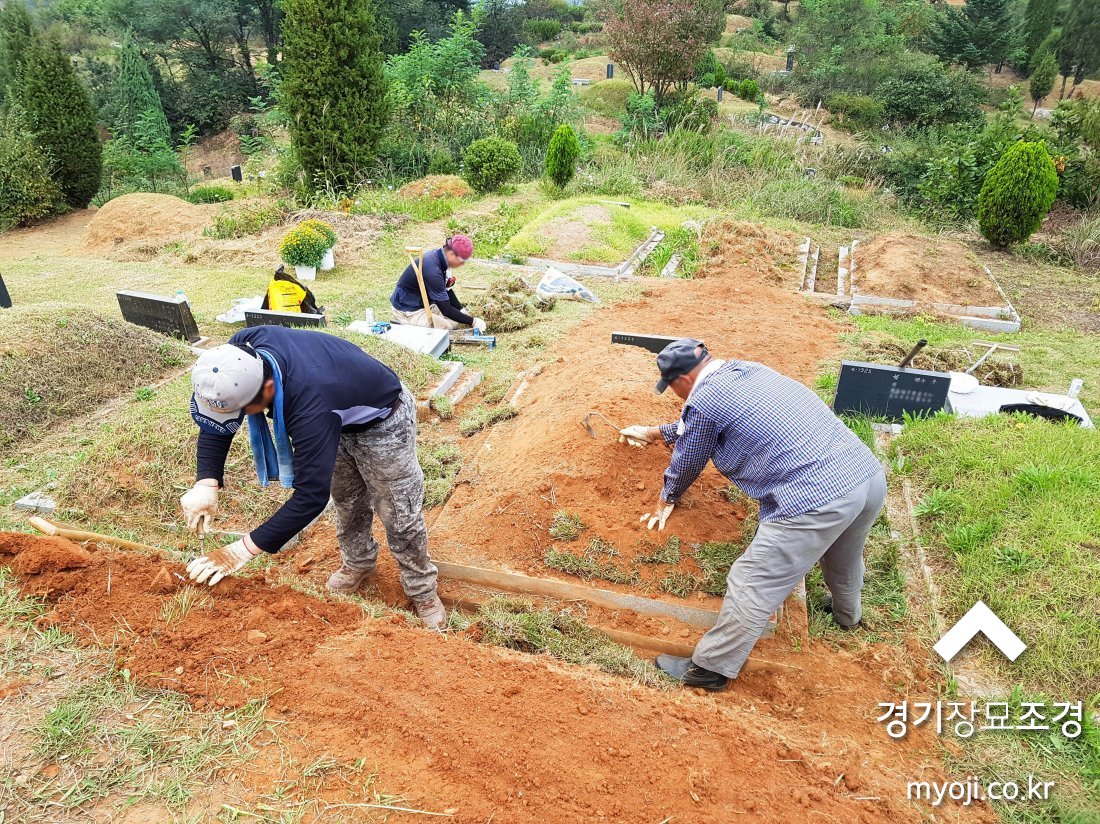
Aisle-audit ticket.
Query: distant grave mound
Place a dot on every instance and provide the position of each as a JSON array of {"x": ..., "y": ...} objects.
[
  {"x": 59, "y": 363},
  {"x": 434, "y": 186},
  {"x": 138, "y": 226}
]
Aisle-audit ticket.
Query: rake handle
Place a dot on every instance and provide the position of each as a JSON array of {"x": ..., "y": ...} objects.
[{"x": 45, "y": 527}]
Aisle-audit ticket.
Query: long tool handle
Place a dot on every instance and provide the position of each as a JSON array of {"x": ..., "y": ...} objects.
[
  {"x": 418, "y": 268},
  {"x": 912, "y": 353},
  {"x": 45, "y": 527}
]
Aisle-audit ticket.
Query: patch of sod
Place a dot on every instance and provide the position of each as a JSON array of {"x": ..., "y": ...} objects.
[
  {"x": 518, "y": 624},
  {"x": 440, "y": 463},
  {"x": 482, "y": 417},
  {"x": 566, "y": 526}
]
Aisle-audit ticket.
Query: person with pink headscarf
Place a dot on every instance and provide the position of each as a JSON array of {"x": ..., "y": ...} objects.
[{"x": 447, "y": 312}]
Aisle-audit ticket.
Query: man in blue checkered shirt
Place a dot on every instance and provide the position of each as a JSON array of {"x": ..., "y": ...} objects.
[{"x": 820, "y": 490}]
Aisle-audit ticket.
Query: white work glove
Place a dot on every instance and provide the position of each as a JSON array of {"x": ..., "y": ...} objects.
[
  {"x": 479, "y": 326},
  {"x": 638, "y": 436},
  {"x": 221, "y": 562},
  {"x": 658, "y": 516},
  {"x": 200, "y": 505},
  {"x": 1063, "y": 404}
]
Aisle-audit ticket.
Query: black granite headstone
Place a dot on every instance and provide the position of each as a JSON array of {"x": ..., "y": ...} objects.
[
  {"x": 720, "y": 90},
  {"x": 5, "y": 298},
  {"x": 610, "y": 71},
  {"x": 652, "y": 343},
  {"x": 267, "y": 317},
  {"x": 238, "y": 175},
  {"x": 169, "y": 316},
  {"x": 790, "y": 59},
  {"x": 889, "y": 392}
]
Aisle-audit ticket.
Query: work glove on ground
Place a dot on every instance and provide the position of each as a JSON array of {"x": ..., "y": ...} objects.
[
  {"x": 200, "y": 505},
  {"x": 221, "y": 562},
  {"x": 658, "y": 516},
  {"x": 638, "y": 436},
  {"x": 479, "y": 326}
]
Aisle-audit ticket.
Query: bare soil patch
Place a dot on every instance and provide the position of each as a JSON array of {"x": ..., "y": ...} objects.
[
  {"x": 569, "y": 236},
  {"x": 221, "y": 152},
  {"x": 487, "y": 734},
  {"x": 544, "y": 461},
  {"x": 925, "y": 270},
  {"x": 60, "y": 236}
]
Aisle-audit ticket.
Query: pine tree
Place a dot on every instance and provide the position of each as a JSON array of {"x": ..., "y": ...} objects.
[
  {"x": 1016, "y": 194},
  {"x": 63, "y": 120},
  {"x": 133, "y": 94},
  {"x": 561, "y": 156},
  {"x": 16, "y": 34},
  {"x": 1038, "y": 21},
  {"x": 1042, "y": 77},
  {"x": 333, "y": 87},
  {"x": 990, "y": 25},
  {"x": 27, "y": 192}
]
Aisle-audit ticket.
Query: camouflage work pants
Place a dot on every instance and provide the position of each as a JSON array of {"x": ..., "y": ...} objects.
[{"x": 377, "y": 473}]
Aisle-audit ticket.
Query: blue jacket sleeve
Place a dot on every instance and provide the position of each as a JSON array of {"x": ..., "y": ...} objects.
[
  {"x": 435, "y": 279},
  {"x": 690, "y": 455},
  {"x": 316, "y": 439}
]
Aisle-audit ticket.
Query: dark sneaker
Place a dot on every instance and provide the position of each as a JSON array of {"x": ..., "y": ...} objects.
[
  {"x": 828, "y": 607},
  {"x": 430, "y": 610},
  {"x": 691, "y": 674},
  {"x": 348, "y": 580}
]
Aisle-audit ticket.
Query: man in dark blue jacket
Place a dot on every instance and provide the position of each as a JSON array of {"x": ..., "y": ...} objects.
[
  {"x": 342, "y": 423},
  {"x": 447, "y": 312}
]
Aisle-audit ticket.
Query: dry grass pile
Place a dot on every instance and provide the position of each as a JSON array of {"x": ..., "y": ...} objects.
[
  {"x": 996, "y": 371},
  {"x": 139, "y": 226},
  {"x": 509, "y": 305},
  {"x": 770, "y": 253},
  {"x": 57, "y": 363},
  {"x": 355, "y": 235},
  {"x": 434, "y": 186}
]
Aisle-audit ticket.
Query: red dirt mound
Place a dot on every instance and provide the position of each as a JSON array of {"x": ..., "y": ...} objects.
[
  {"x": 498, "y": 736},
  {"x": 35, "y": 555},
  {"x": 926, "y": 270},
  {"x": 544, "y": 461}
]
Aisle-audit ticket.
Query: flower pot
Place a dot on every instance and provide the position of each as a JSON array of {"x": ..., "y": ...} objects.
[
  {"x": 305, "y": 272},
  {"x": 329, "y": 260}
]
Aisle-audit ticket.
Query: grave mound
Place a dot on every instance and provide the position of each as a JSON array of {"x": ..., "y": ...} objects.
[
  {"x": 134, "y": 226},
  {"x": 434, "y": 186},
  {"x": 925, "y": 270},
  {"x": 57, "y": 363}
]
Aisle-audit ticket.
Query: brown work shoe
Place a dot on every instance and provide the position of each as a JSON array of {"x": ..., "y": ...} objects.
[
  {"x": 348, "y": 580},
  {"x": 429, "y": 609}
]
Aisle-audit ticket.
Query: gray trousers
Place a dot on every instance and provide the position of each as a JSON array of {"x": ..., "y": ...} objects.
[
  {"x": 377, "y": 473},
  {"x": 779, "y": 556}
]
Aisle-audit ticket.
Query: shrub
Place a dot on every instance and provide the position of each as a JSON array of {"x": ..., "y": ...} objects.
[
  {"x": 925, "y": 93},
  {"x": 554, "y": 55},
  {"x": 490, "y": 163},
  {"x": 27, "y": 192},
  {"x": 748, "y": 89},
  {"x": 541, "y": 30},
  {"x": 697, "y": 114},
  {"x": 210, "y": 194},
  {"x": 442, "y": 162},
  {"x": 1080, "y": 182},
  {"x": 856, "y": 110},
  {"x": 325, "y": 230},
  {"x": 561, "y": 156},
  {"x": 608, "y": 98},
  {"x": 1016, "y": 194},
  {"x": 303, "y": 246}
]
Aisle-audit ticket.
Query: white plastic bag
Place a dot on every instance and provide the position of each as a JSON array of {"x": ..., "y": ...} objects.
[
  {"x": 238, "y": 307},
  {"x": 555, "y": 284}
]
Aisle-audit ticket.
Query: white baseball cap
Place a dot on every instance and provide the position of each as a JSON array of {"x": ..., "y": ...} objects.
[{"x": 224, "y": 380}]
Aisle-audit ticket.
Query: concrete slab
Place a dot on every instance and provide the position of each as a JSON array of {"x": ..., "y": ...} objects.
[{"x": 36, "y": 503}]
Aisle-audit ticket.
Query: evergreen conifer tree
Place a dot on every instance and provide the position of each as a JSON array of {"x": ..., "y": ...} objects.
[
  {"x": 1042, "y": 77},
  {"x": 61, "y": 116},
  {"x": 333, "y": 87},
  {"x": 16, "y": 34},
  {"x": 133, "y": 94},
  {"x": 991, "y": 26},
  {"x": 561, "y": 156},
  {"x": 1016, "y": 194},
  {"x": 1081, "y": 38}
]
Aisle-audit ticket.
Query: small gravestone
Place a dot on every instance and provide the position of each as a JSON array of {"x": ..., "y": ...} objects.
[
  {"x": 790, "y": 59},
  {"x": 720, "y": 90},
  {"x": 5, "y": 298},
  {"x": 238, "y": 176},
  {"x": 169, "y": 316},
  {"x": 267, "y": 317},
  {"x": 610, "y": 71},
  {"x": 207, "y": 171}
]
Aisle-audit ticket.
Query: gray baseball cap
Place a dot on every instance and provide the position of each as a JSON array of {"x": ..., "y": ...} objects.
[
  {"x": 677, "y": 359},
  {"x": 224, "y": 379}
]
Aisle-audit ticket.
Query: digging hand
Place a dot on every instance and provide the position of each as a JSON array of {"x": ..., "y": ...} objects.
[
  {"x": 658, "y": 516},
  {"x": 479, "y": 326},
  {"x": 639, "y": 436},
  {"x": 222, "y": 561},
  {"x": 200, "y": 505}
]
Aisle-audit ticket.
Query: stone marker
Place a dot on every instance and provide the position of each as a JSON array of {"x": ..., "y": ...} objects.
[
  {"x": 5, "y": 298},
  {"x": 610, "y": 71},
  {"x": 267, "y": 317},
  {"x": 238, "y": 176},
  {"x": 169, "y": 316}
]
